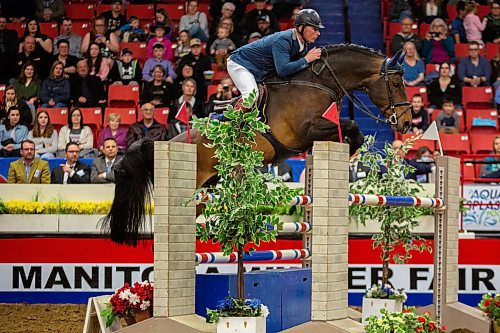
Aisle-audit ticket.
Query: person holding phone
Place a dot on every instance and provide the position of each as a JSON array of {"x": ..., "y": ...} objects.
[{"x": 438, "y": 47}]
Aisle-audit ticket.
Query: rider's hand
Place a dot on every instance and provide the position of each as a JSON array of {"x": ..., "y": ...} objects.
[{"x": 313, "y": 54}]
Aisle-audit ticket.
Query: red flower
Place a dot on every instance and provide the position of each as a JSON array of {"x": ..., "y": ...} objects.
[
  {"x": 487, "y": 302},
  {"x": 497, "y": 303},
  {"x": 406, "y": 311},
  {"x": 443, "y": 327},
  {"x": 432, "y": 326},
  {"x": 421, "y": 319}
]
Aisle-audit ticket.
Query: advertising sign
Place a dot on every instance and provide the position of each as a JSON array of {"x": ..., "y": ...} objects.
[{"x": 483, "y": 214}]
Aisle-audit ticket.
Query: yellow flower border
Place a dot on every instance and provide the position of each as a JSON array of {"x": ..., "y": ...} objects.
[{"x": 63, "y": 207}]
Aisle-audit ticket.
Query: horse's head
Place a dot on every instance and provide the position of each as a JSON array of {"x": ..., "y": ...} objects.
[{"x": 388, "y": 93}]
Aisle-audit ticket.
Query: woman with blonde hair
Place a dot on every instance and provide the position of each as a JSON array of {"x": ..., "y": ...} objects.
[
  {"x": 438, "y": 46},
  {"x": 55, "y": 89},
  {"x": 473, "y": 25},
  {"x": 113, "y": 130},
  {"x": 414, "y": 68},
  {"x": 76, "y": 132},
  {"x": 44, "y": 136}
]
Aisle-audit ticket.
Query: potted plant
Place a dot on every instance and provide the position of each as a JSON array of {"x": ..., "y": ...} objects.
[
  {"x": 387, "y": 176},
  {"x": 490, "y": 304},
  {"x": 403, "y": 322},
  {"x": 132, "y": 303},
  {"x": 233, "y": 216},
  {"x": 382, "y": 297}
]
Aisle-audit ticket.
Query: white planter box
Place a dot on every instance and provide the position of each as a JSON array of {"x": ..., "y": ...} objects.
[
  {"x": 372, "y": 306},
  {"x": 75, "y": 223},
  {"x": 29, "y": 223},
  {"x": 241, "y": 325}
]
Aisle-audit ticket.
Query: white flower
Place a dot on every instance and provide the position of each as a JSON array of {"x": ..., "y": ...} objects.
[
  {"x": 134, "y": 299},
  {"x": 125, "y": 294},
  {"x": 369, "y": 294},
  {"x": 145, "y": 305},
  {"x": 264, "y": 310}
]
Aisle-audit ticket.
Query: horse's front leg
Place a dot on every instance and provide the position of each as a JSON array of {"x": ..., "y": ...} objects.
[{"x": 324, "y": 130}]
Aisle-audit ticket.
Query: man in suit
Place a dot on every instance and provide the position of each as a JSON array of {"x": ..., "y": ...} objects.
[
  {"x": 28, "y": 169},
  {"x": 103, "y": 168},
  {"x": 73, "y": 171},
  {"x": 283, "y": 170}
]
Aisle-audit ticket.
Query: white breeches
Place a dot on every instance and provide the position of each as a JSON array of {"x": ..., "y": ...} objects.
[{"x": 242, "y": 78}]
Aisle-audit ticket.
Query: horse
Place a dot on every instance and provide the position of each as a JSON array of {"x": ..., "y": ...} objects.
[{"x": 294, "y": 114}]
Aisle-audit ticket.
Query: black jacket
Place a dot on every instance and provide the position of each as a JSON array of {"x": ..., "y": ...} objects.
[
  {"x": 125, "y": 72},
  {"x": 94, "y": 92},
  {"x": 157, "y": 132},
  {"x": 163, "y": 93},
  {"x": 8, "y": 51},
  {"x": 453, "y": 92},
  {"x": 81, "y": 175}
]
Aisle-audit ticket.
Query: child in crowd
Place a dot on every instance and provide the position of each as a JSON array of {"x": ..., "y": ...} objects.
[
  {"x": 448, "y": 120},
  {"x": 221, "y": 48},
  {"x": 472, "y": 23},
  {"x": 132, "y": 32},
  {"x": 126, "y": 71},
  {"x": 158, "y": 51},
  {"x": 159, "y": 37},
  {"x": 420, "y": 117},
  {"x": 182, "y": 44}
]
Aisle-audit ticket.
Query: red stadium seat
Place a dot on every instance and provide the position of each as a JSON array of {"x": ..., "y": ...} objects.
[
  {"x": 478, "y": 97},
  {"x": 435, "y": 68},
  {"x": 482, "y": 143},
  {"x": 141, "y": 11},
  {"x": 462, "y": 50},
  {"x": 424, "y": 29},
  {"x": 81, "y": 27},
  {"x": 106, "y": 7},
  {"x": 475, "y": 115},
  {"x": 50, "y": 29},
  {"x": 419, "y": 143},
  {"x": 492, "y": 50},
  {"x": 92, "y": 117},
  {"x": 452, "y": 12},
  {"x": 128, "y": 116},
  {"x": 161, "y": 115},
  {"x": 461, "y": 125},
  {"x": 17, "y": 26},
  {"x": 58, "y": 116},
  {"x": 211, "y": 89},
  {"x": 174, "y": 10},
  {"x": 123, "y": 96},
  {"x": 2, "y": 91},
  {"x": 80, "y": 11},
  {"x": 483, "y": 10},
  {"x": 422, "y": 90},
  {"x": 395, "y": 27},
  {"x": 455, "y": 144},
  {"x": 139, "y": 48},
  {"x": 469, "y": 171}
]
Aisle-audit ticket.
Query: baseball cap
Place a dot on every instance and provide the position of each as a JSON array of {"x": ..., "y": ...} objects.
[
  {"x": 117, "y": 1},
  {"x": 264, "y": 18},
  {"x": 255, "y": 35},
  {"x": 127, "y": 50},
  {"x": 195, "y": 41}
]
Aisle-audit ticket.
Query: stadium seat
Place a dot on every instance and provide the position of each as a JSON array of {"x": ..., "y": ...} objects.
[
  {"x": 141, "y": 11},
  {"x": 2, "y": 91},
  {"x": 435, "y": 68},
  {"x": 92, "y": 117},
  {"x": 482, "y": 11},
  {"x": 17, "y": 26},
  {"x": 139, "y": 48},
  {"x": 419, "y": 143},
  {"x": 452, "y": 12},
  {"x": 481, "y": 118},
  {"x": 477, "y": 97},
  {"x": 80, "y": 28},
  {"x": 174, "y": 10},
  {"x": 211, "y": 89},
  {"x": 455, "y": 144},
  {"x": 462, "y": 50},
  {"x": 128, "y": 116},
  {"x": 461, "y": 125},
  {"x": 492, "y": 50},
  {"x": 469, "y": 172},
  {"x": 482, "y": 143},
  {"x": 50, "y": 29},
  {"x": 105, "y": 7},
  {"x": 395, "y": 27},
  {"x": 161, "y": 115},
  {"x": 58, "y": 116},
  {"x": 80, "y": 11},
  {"x": 422, "y": 90},
  {"x": 123, "y": 96},
  {"x": 424, "y": 28}
]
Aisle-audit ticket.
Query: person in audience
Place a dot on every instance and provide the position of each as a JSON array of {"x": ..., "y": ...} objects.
[
  {"x": 28, "y": 87},
  {"x": 447, "y": 121},
  {"x": 159, "y": 37},
  {"x": 406, "y": 35},
  {"x": 126, "y": 71},
  {"x": 55, "y": 89},
  {"x": 226, "y": 11},
  {"x": 12, "y": 133},
  {"x": 457, "y": 25},
  {"x": 198, "y": 60},
  {"x": 491, "y": 169},
  {"x": 73, "y": 171},
  {"x": 19, "y": 10},
  {"x": 75, "y": 41},
  {"x": 472, "y": 24},
  {"x": 148, "y": 127},
  {"x": 10, "y": 101},
  {"x": 163, "y": 19},
  {"x": 282, "y": 169},
  {"x": 221, "y": 48},
  {"x": 399, "y": 10},
  {"x": 188, "y": 96},
  {"x": 114, "y": 18},
  {"x": 249, "y": 22},
  {"x": 47, "y": 16},
  {"x": 77, "y": 133},
  {"x": 103, "y": 168},
  {"x": 132, "y": 32},
  {"x": 29, "y": 169},
  {"x": 430, "y": 10},
  {"x": 195, "y": 21},
  {"x": 225, "y": 91},
  {"x": 108, "y": 42},
  {"x": 176, "y": 127},
  {"x": 28, "y": 53},
  {"x": 182, "y": 45},
  {"x": 9, "y": 47},
  {"x": 43, "y": 44},
  {"x": 424, "y": 158},
  {"x": 357, "y": 170},
  {"x": 98, "y": 65},
  {"x": 158, "y": 51},
  {"x": 158, "y": 91},
  {"x": 56, "y": 7},
  {"x": 114, "y": 131},
  {"x": 254, "y": 36},
  {"x": 474, "y": 70},
  {"x": 44, "y": 136},
  {"x": 239, "y": 10},
  {"x": 421, "y": 169},
  {"x": 187, "y": 72},
  {"x": 68, "y": 61},
  {"x": 491, "y": 33},
  {"x": 414, "y": 68},
  {"x": 420, "y": 117},
  {"x": 445, "y": 86},
  {"x": 264, "y": 26},
  {"x": 438, "y": 46},
  {"x": 86, "y": 90}
]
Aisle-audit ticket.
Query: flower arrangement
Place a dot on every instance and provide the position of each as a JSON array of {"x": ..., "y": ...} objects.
[
  {"x": 235, "y": 307},
  {"x": 128, "y": 301},
  {"x": 386, "y": 292},
  {"x": 403, "y": 322},
  {"x": 490, "y": 304}
]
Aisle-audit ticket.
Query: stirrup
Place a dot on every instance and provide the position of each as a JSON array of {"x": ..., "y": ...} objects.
[{"x": 226, "y": 102}]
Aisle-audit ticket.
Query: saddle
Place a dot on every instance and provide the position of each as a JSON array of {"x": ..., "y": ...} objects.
[{"x": 237, "y": 102}]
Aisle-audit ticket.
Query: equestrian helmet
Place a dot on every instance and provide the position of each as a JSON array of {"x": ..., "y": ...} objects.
[{"x": 309, "y": 17}]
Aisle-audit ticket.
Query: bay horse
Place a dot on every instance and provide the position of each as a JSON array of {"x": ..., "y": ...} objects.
[{"x": 294, "y": 113}]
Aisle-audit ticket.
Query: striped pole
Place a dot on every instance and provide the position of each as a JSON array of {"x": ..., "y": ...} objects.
[
  {"x": 270, "y": 255},
  {"x": 383, "y": 200},
  {"x": 299, "y": 200},
  {"x": 286, "y": 227}
]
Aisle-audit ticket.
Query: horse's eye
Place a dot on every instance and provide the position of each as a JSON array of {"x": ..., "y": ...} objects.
[{"x": 396, "y": 84}]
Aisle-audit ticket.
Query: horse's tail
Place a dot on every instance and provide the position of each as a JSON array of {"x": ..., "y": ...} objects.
[{"x": 133, "y": 194}]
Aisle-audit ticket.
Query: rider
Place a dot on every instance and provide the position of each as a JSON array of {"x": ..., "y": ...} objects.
[{"x": 284, "y": 52}]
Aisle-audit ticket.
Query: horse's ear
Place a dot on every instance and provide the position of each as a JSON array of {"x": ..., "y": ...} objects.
[
  {"x": 392, "y": 62},
  {"x": 401, "y": 58}
]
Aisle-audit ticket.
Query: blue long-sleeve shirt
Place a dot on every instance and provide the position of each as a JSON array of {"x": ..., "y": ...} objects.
[
  {"x": 20, "y": 134},
  {"x": 278, "y": 52},
  {"x": 147, "y": 72},
  {"x": 467, "y": 69}
]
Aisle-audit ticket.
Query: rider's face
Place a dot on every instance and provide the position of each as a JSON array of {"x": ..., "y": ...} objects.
[{"x": 311, "y": 34}]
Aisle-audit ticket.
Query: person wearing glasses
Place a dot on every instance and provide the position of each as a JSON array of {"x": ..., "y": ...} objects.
[
  {"x": 474, "y": 70},
  {"x": 406, "y": 35},
  {"x": 439, "y": 47},
  {"x": 491, "y": 33},
  {"x": 29, "y": 169},
  {"x": 72, "y": 171}
]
